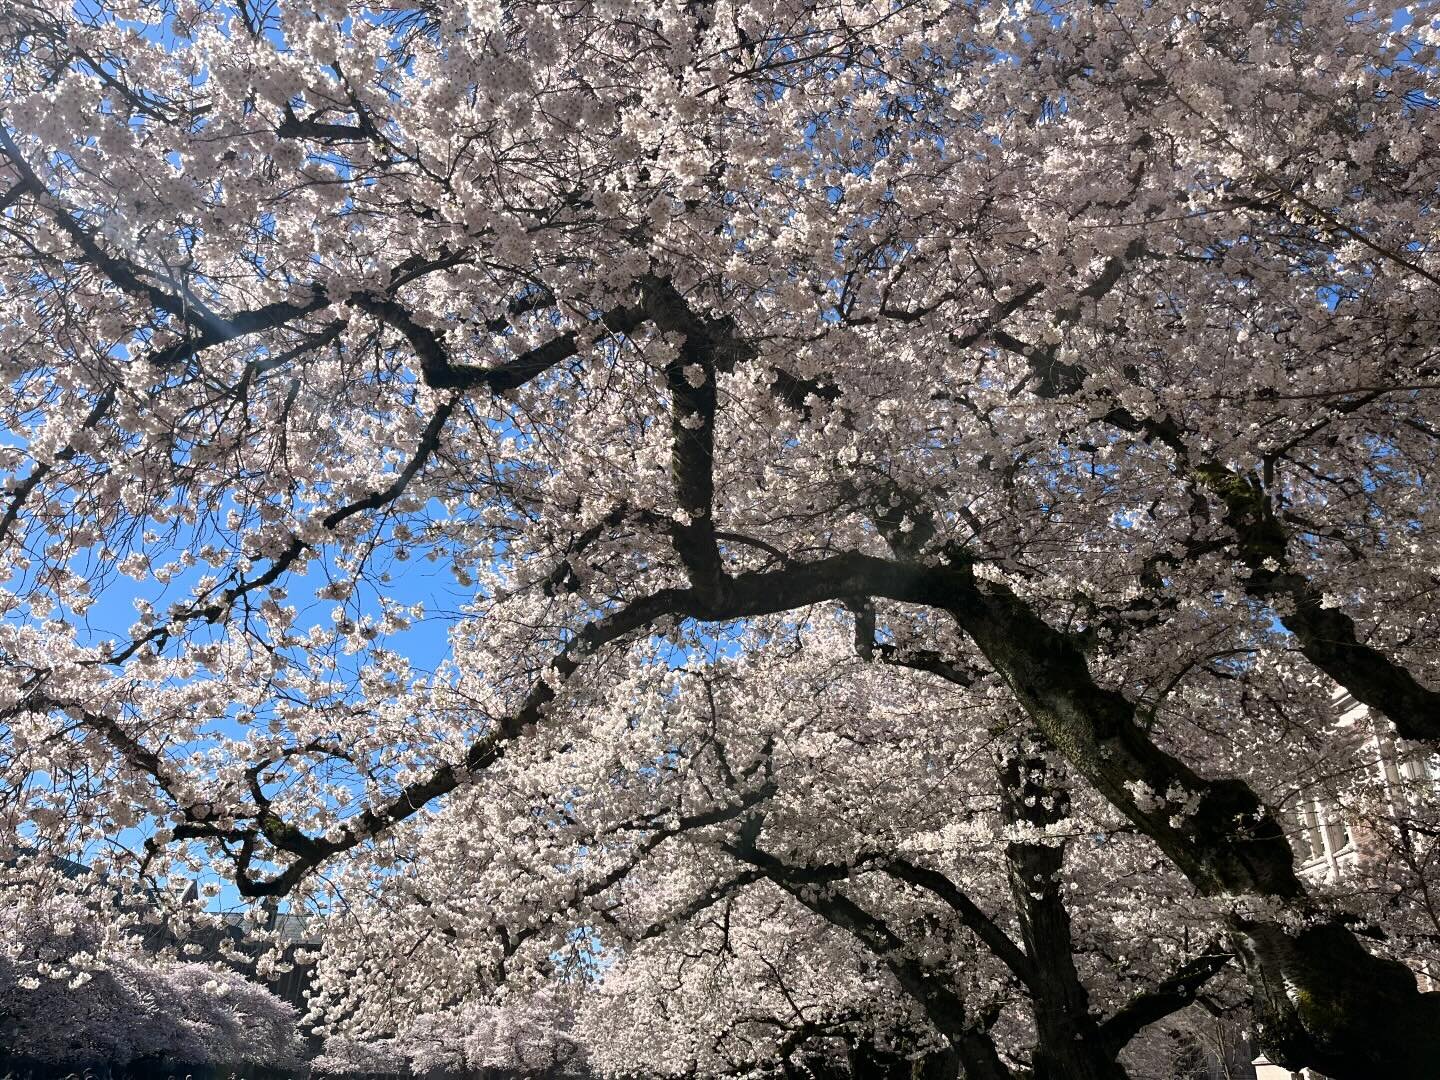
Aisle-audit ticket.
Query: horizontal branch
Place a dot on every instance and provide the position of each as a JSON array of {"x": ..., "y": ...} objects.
[
  {"x": 1175, "y": 992},
  {"x": 442, "y": 373}
]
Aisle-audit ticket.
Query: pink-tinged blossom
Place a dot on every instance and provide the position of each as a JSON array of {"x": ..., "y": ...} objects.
[{"x": 605, "y": 496}]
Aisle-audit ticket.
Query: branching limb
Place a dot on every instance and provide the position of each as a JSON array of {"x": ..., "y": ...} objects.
[{"x": 1176, "y": 991}]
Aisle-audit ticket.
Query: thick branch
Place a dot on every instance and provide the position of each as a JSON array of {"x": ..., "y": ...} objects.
[
  {"x": 690, "y": 378},
  {"x": 1069, "y": 1045},
  {"x": 310, "y": 851},
  {"x": 1328, "y": 637},
  {"x": 994, "y": 938},
  {"x": 1176, "y": 991},
  {"x": 441, "y": 373},
  {"x": 930, "y": 987}
]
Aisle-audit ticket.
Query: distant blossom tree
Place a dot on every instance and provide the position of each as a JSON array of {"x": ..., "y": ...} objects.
[
  {"x": 1024, "y": 408},
  {"x": 528, "y": 1037},
  {"x": 70, "y": 997}
]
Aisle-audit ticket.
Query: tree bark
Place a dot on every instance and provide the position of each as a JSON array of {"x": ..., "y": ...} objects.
[
  {"x": 1323, "y": 1001},
  {"x": 1069, "y": 1043}
]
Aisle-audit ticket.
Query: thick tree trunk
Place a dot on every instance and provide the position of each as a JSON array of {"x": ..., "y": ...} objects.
[
  {"x": 943, "y": 1065},
  {"x": 1324, "y": 1001},
  {"x": 1070, "y": 1045}
]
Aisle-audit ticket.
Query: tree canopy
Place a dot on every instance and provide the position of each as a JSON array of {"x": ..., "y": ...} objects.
[
  {"x": 845, "y": 519},
  {"x": 74, "y": 993}
]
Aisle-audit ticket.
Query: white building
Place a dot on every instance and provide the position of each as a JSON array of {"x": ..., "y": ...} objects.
[{"x": 1329, "y": 847}]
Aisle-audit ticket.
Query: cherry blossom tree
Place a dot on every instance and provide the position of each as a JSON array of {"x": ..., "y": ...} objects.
[
  {"x": 1072, "y": 364},
  {"x": 529, "y": 1037},
  {"x": 71, "y": 994},
  {"x": 783, "y": 906}
]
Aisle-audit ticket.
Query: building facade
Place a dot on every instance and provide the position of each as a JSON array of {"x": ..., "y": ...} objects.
[{"x": 1332, "y": 846}]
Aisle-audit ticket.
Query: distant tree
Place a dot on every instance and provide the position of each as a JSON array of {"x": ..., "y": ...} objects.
[
  {"x": 70, "y": 997},
  {"x": 1074, "y": 363},
  {"x": 880, "y": 891},
  {"x": 528, "y": 1037}
]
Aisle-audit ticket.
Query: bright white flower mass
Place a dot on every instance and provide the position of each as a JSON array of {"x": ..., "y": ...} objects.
[
  {"x": 732, "y": 514},
  {"x": 97, "y": 997}
]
